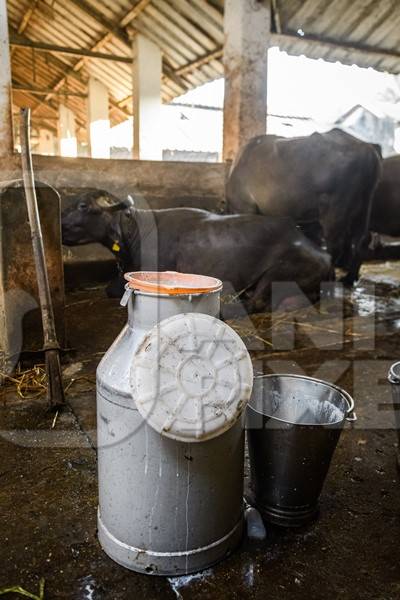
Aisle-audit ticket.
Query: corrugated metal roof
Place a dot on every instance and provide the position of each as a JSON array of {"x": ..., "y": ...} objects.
[
  {"x": 361, "y": 32},
  {"x": 190, "y": 34}
]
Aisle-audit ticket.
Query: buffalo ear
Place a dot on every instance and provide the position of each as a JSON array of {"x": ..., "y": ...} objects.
[
  {"x": 109, "y": 204},
  {"x": 124, "y": 204}
]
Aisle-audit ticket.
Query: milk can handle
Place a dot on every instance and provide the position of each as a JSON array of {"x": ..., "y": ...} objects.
[{"x": 127, "y": 294}]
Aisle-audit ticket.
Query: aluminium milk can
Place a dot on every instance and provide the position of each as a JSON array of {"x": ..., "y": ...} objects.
[{"x": 171, "y": 392}]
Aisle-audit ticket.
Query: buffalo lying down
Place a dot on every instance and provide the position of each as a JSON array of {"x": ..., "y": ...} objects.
[
  {"x": 247, "y": 252},
  {"x": 324, "y": 182}
]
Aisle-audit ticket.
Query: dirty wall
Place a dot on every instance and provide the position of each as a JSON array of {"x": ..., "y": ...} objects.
[{"x": 154, "y": 183}]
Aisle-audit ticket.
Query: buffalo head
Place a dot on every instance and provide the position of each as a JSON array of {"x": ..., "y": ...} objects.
[{"x": 88, "y": 216}]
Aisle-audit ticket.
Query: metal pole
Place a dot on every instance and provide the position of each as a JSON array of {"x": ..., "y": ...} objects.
[{"x": 55, "y": 393}]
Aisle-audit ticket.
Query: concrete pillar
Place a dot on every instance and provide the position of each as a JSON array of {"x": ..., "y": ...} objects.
[
  {"x": 66, "y": 132},
  {"x": 6, "y": 129},
  {"x": 147, "y": 71},
  {"x": 247, "y": 26},
  {"x": 46, "y": 143},
  {"x": 99, "y": 120}
]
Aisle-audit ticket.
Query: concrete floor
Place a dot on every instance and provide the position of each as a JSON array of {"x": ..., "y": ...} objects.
[{"x": 48, "y": 492}]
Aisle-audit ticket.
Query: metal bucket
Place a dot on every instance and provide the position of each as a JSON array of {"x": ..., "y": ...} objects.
[
  {"x": 294, "y": 424},
  {"x": 394, "y": 379}
]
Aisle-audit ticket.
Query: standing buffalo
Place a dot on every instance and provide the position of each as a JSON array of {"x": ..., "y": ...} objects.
[
  {"x": 385, "y": 213},
  {"x": 247, "y": 252},
  {"x": 324, "y": 182}
]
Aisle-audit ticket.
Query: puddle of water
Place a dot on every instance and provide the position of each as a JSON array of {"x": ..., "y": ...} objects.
[
  {"x": 87, "y": 588},
  {"x": 177, "y": 583},
  {"x": 369, "y": 301},
  {"x": 248, "y": 575}
]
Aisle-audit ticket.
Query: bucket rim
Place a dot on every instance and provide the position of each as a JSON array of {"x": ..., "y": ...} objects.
[
  {"x": 394, "y": 377},
  {"x": 349, "y": 399}
]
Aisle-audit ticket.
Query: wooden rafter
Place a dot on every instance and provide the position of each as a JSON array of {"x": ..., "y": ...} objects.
[
  {"x": 199, "y": 62},
  {"x": 118, "y": 30},
  {"x": 134, "y": 12},
  {"x": 121, "y": 30},
  {"x": 63, "y": 66},
  {"x": 44, "y": 91},
  {"x": 67, "y": 50},
  {"x": 109, "y": 26},
  {"x": 27, "y": 16},
  {"x": 78, "y": 65}
]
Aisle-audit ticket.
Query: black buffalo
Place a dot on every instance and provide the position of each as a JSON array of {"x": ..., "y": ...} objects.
[
  {"x": 385, "y": 213},
  {"x": 247, "y": 252},
  {"x": 324, "y": 182}
]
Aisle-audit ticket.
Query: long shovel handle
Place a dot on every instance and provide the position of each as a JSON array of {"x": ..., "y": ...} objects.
[{"x": 46, "y": 305}]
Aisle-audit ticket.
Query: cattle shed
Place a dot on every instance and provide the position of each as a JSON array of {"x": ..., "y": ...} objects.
[
  {"x": 79, "y": 62},
  {"x": 83, "y": 67}
]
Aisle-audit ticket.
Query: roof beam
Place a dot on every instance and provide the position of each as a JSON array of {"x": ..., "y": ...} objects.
[
  {"x": 27, "y": 16},
  {"x": 67, "y": 50},
  {"x": 112, "y": 28},
  {"x": 199, "y": 62},
  {"x": 134, "y": 12},
  {"x": 78, "y": 65},
  {"x": 169, "y": 73},
  {"x": 59, "y": 64},
  {"x": 55, "y": 60},
  {"x": 118, "y": 31},
  {"x": 44, "y": 92},
  {"x": 120, "y": 109}
]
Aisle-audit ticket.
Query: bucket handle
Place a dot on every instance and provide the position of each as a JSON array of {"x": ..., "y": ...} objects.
[{"x": 351, "y": 416}]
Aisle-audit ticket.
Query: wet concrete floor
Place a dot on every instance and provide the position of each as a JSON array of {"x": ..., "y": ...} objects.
[{"x": 48, "y": 485}]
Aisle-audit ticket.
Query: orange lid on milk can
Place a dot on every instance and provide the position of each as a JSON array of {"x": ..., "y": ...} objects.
[{"x": 172, "y": 283}]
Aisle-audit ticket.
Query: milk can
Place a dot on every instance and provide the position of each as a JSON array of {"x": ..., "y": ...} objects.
[{"x": 171, "y": 392}]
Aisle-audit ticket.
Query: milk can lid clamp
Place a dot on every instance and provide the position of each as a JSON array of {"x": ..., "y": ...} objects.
[
  {"x": 191, "y": 377},
  {"x": 172, "y": 283}
]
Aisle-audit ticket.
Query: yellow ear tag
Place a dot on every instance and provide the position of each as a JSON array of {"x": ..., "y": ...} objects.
[{"x": 116, "y": 247}]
